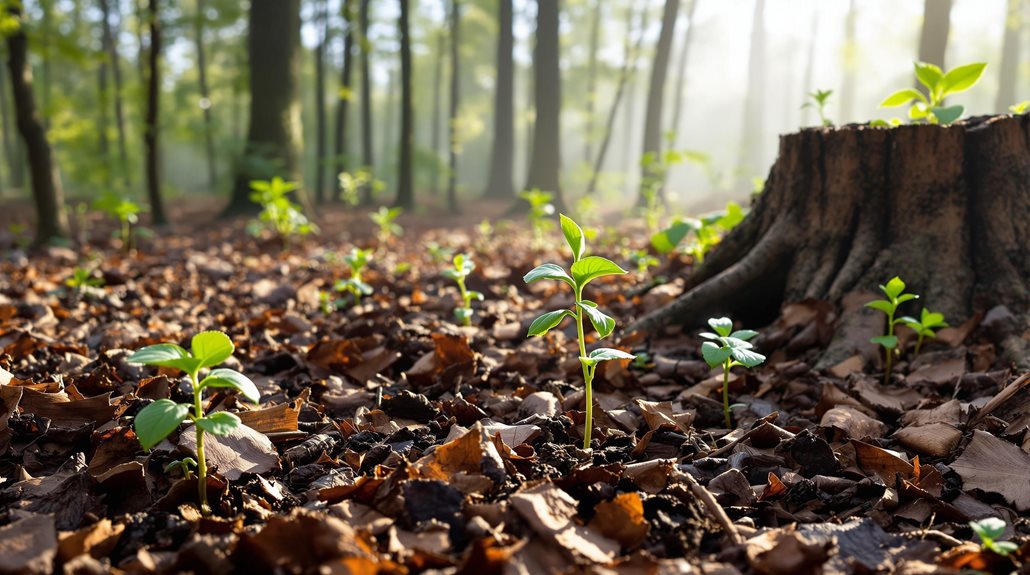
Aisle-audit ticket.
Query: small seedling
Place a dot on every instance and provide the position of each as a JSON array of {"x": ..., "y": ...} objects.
[
  {"x": 125, "y": 211},
  {"x": 939, "y": 85},
  {"x": 438, "y": 253},
  {"x": 159, "y": 419},
  {"x": 989, "y": 530},
  {"x": 326, "y": 303},
  {"x": 584, "y": 269},
  {"x": 388, "y": 228},
  {"x": 352, "y": 183},
  {"x": 463, "y": 266},
  {"x": 895, "y": 292},
  {"x": 1020, "y": 108},
  {"x": 540, "y": 208},
  {"x": 643, "y": 260},
  {"x": 727, "y": 349},
  {"x": 926, "y": 324},
  {"x": 279, "y": 213},
  {"x": 83, "y": 281},
  {"x": 818, "y": 100},
  {"x": 357, "y": 260},
  {"x": 485, "y": 232},
  {"x": 707, "y": 231}
]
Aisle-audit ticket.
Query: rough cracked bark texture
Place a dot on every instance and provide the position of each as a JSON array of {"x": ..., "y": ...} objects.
[{"x": 846, "y": 209}]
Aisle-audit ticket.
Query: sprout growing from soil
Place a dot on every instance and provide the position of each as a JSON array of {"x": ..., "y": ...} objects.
[
  {"x": 989, "y": 530},
  {"x": 159, "y": 419},
  {"x": 125, "y": 211},
  {"x": 895, "y": 292},
  {"x": 357, "y": 260},
  {"x": 926, "y": 324},
  {"x": 279, "y": 214},
  {"x": 584, "y": 269},
  {"x": 540, "y": 207},
  {"x": 727, "y": 349},
  {"x": 384, "y": 219},
  {"x": 939, "y": 85},
  {"x": 83, "y": 282},
  {"x": 463, "y": 266},
  {"x": 818, "y": 100}
]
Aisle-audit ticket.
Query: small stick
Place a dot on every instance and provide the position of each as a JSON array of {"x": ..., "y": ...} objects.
[
  {"x": 997, "y": 400},
  {"x": 711, "y": 505}
]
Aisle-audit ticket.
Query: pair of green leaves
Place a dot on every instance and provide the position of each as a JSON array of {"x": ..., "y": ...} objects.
[
  {"x": 939, "y": 85},
  {"x": 207, "y": 349},
  {"x": 895, "y": 292},
  {"x": 728, "y": 345},
  {"x": 463, "y": 267},
  {"x": 928, "y": 322},
  {"x": 357, "y": 259},
  {"x": 989, "y": 530},
  {"x": 384, "y": 218}
]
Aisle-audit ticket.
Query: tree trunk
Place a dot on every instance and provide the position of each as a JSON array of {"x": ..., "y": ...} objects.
[
  {"x": 343, "y": 101},
  {"x": 386, "y": 148},
  {"x": 274, "y": 133},
  {"x": 405, "y": 179},
  {"x": 52, "y": 221},
  {"x": 591, "y": 103},
  {"x": 103, "y": 146},
  {"x": 656, "y": 101},
  {"x": 502, "y": 154},
  {"x": 752, "y": 130},
  {"x": 452, "y": 148},
  {"x": 844, "y": 210},
  {"x": 545, "y": 164},
  {"x": 1009, "y": 73},
  {"x": 111, "y": 48},
  {"x": 933, "y": 40},
  {"x": 46, "y": 55},
  {"x": 681, "y": 74},
  {"x": 849, "y": 65},
  {"x": 11, "y": 146},
  {"x": 152, "y": 123},
  {"x": 320, "y": 133},
  {"x": 205, "y": 94},
  {"x": 366, "y": 103},
  {"x": 436, "y": 134}
]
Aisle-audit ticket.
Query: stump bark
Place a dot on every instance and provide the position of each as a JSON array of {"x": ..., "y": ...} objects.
[{"x": 947, "y": 208}]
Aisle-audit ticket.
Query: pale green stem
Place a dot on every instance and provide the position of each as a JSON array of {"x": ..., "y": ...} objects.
[
  {"x": 919, "y": 344},
  {"x": 466, "y": 299},
  {"x": 890, "y": 351},
  {"x": 198, "y": 412},
  {"x": 588, "y": 374},
  {"x": 726, "y": 393}
]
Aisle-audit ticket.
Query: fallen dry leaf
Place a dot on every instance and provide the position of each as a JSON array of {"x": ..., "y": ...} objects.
[{"x": 996, "y": 466}]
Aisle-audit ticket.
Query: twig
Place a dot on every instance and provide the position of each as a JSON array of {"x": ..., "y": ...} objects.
[
  {"x": 997, "y": 400},
  {"x": 711, "y": 505}
]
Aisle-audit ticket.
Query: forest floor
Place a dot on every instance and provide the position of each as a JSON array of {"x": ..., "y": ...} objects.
[{"x": 390, "y": 440}]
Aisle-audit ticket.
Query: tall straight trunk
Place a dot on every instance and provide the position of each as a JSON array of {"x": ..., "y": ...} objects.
[
  {"x": 205, "y": 94},
  {"x": 343, "y": 101},
  {"x": 275, "y": 132},
  {"x": 103, "y": 146},
  {"x": 111, "y": 47},
  {"x": 405, "y": 179},
  {"x": 452, "y": 149},
  {"x": 152, "y": 124},
  {"x": 809, "y": 78},
  {"x": 320, "y": 131},
  {"x": 591, "y": 103},
  {"x": 46, "y": 37},
  {"x": 502, "y": 154},
  {"x": 15, "y": 167},
  {"x": 849, "y": 65},
  {"x": 933, "y": 39},
  {"x": 367, "y": 158},
  {"x": 752, "y": 127},
  {"x": 389, "y": 117},
  {"x": 681, "y": 74},
  {"x": 1010, "y": 56},
  {"x": 656, "y": 100},
  {"x": 52, "y": 221},
  {"x": 631, "y": 50},
  {"x": 436, "y": 137},
  {"x": 545, "y": 164}
]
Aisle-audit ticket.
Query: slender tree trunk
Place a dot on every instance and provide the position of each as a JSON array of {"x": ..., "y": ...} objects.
[
  {"x": 809, "y": 77},
  {"x": 1010, "y": 57},
  {"x": 275, "y": 132},
  {"x": 656, "y": 101},
  {"x": 591, "y": 103},
  {"x": 436, "y": 137},
  {"x": 152, "y": 123},
  {"x": 631, "y": 50},
  {"x": 752, "y": 128},
  {"x": 933, "y": 40},
  {"x": 405, "y": 179},
  {"x": 502, "y": 154},
  {"x": 545, "y": 164},
  {"x": 52, "y": 221},
  {"x": 11, "y": 145},
  {"x": 389, "y": 119},
  {"x": 111, "y": 47},
  {"x": 205, "y": 94},
  {"x": 344, "y": 98},
  {"x": 681, "y": 75},
  {"x": 103, "y": 146},
  {"x": 367, "y": 158},
  {"x": 320, "y": 115},
  {"x": 849, "y": 65},
  {"x": 452, "y": 151},
  {"x": 47, "y": 57}
]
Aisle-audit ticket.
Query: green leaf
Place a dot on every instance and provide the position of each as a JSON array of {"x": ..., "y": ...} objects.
[
  {"x": 710, "y": 335},
  {"x": 476, "y": 295},
  {"x": 157, "y": 420},
  {"x": 219, "y": 423},
  {"x": 902, "y": 97},
  {"x": 573, "y": 236},
  {"x": 746, "y": 357},
  {"x": 961, "y": 78},
  {"x": 1003, "y": 548},
  {"x": 232, "y": 379},
  {"x": 932, "y": 319},
  {"x": 988, "y": 528},
  {"x": 906, "y": 297},
  {"x": 887, "y": 341},
  {"x": 714, "y": 354},
  {"x": 744, "y": 334},
  {"x": 882, "y": 305},
  {"x": 608, "y": 354},
  {"x": 949, "y": 114},
  {"x": 722, "y": 325},
  {"x": 601, "y": 322},
  {"x": 548, "y": 321},
  {"x": 548, "y": 272},
  {"x": 666, "y": 240},
  {"x": 463, "y": 314},
  {"x": 592, "y": 267},
  {"x": 211, "y": 348},
  {"x": 928, "y": 74},
  {"x": 165, "y": 355},
  {"x": 894, "y": 287}
]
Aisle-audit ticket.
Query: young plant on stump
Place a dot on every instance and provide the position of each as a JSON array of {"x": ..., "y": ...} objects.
[
  {"x": 463, "y": 266},
  {"x": 727, "y": 349},
  {"x": 159, "y": 419},
  {"x": 584, "y": 269}
]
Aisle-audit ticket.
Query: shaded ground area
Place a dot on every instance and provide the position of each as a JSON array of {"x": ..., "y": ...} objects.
[{"x": 389, "y": 439}]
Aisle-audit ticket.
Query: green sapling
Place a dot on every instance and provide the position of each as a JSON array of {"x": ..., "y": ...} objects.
[
  {"x": 925, "y": 326},
  {"x": 727, "y": 349},
  {"x": 939, "y": 85},
  {"x": 989, "y": 530},
  {"x": 463, "y": 266},
  {"x": 357, "y": 260},
  {"x": 895, "y": 292},
  {"x": 384, "y": 219}
]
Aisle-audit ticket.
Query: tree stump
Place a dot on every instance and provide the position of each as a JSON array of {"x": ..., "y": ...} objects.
[{"x": 947, "y": 208}]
